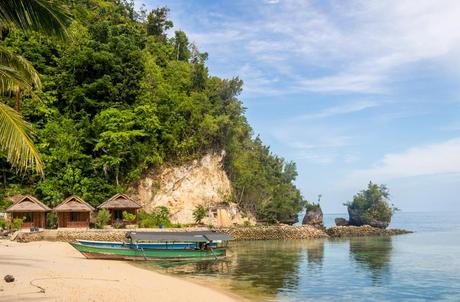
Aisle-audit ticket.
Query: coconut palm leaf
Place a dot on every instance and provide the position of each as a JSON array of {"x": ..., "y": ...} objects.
[
  {"x": 35, "y": 15},
  {"x": 16, "y": 73},
  {"x": 16, "y": 142}
]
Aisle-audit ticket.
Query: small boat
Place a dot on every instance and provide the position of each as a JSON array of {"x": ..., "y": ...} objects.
[
  {"x": 205, "y": 246},
  {"x": 144, "y": 245}
]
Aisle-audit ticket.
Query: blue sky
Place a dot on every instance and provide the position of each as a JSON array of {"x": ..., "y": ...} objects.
[{"x": 351, "y": 91}]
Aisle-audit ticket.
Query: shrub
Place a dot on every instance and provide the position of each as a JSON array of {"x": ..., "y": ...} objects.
[
  {"x": 103, "y": 217},
  {"x": 160, "y": 215},
  {"x": 51, "y": 220},
  {"x": 373, "y": 203},
  {"x": 118, "y": 225},
  {"x": 312, "y": 206},
  {"x": 17, "y": 223},
  {"x": 2, "y": 224},
  {"x": 199, "y": 213},
  {"x": 128, "y": 216},
  {"x": 246, "y": 223}
]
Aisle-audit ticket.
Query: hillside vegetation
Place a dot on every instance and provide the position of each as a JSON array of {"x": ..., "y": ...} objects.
[{"x": 121, "y": 97}]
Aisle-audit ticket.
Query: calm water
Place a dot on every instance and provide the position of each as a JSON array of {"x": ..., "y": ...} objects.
[{"x": 424, "y": 266}]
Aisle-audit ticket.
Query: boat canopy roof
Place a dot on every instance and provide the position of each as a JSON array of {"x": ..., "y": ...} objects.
[{"x": 204, "y": 236}]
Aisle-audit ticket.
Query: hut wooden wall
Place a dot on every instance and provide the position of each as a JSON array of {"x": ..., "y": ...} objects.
[
  {"x": 38, "y": 219},
  {"x": 64, "y": 220}
]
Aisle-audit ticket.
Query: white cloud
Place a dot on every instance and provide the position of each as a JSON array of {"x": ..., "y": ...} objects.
[
  {"x": 341, "y": 109},
  {"x": 434, "y": 159},
  {"x": 357, "y": 46}
]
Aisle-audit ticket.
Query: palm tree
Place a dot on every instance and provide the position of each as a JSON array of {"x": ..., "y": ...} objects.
[{"x": 17, "y": 74}]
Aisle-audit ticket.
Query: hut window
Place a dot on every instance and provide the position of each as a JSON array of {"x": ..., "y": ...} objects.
[
  {"x": 27, "y": 217},
  {"x": 119, "y": 214},
  {"x": 74, "y": 216},
  {"x": 214, "y": 213}
]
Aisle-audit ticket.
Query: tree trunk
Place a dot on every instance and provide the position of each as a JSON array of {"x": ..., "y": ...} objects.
[{"x": 18, "y": 100}]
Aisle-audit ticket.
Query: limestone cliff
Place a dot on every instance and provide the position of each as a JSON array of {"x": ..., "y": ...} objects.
[{"x": 182, "y": 188}]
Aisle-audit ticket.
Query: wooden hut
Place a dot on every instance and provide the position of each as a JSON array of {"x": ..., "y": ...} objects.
[
  {"x": 119, "y": 203},
  {"x": 31, "y": 210},
  {"x": 73, "y": 212}
]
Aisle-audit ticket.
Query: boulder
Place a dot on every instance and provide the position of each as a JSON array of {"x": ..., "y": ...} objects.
[
  {"x": 339, "y": 221},
  {"x": 379, "y": 224},
  {"x": 314, "y": 217},
  {"x": 9, "y": 278},
  {"x": 356, "y": 219}
]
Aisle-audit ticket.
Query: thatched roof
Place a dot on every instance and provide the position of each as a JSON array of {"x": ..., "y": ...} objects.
[
  {"x": 120, "y": 201},
  {"x": 74, "y": 204},
  {"x": 28, "y": 204}
]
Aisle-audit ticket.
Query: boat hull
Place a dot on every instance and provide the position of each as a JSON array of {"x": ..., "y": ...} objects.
[
  {"x": 93, "y": 252},
  {"x": 156, "y": 245}
]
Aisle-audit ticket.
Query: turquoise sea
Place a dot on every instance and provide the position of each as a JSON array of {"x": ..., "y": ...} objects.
[{"x": 423, "y": 266}]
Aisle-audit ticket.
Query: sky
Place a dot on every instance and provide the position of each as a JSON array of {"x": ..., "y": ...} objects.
[{"x": 352, "y": 91}]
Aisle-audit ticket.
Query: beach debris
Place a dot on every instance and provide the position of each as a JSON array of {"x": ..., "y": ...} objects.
[{"x": 9, "y": 278}]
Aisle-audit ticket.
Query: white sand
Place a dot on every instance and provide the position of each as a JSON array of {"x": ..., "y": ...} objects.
[{"x": 66, "y": 275}]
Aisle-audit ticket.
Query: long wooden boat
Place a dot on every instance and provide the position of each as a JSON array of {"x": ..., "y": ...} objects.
[
  {"x": 96, "y": 252},
  {"x": 204, "y": 246},
  {"x": 143, "y": 245}
]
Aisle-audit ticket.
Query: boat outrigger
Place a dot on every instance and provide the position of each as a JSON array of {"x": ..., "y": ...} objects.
[{"x": 205, "y": 245}]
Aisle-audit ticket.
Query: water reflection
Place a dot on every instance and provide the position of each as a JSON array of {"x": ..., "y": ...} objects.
[
  {"x": 403, "y": 268},
  {"x": 315, "y": 253},
  {"x": 373, "y": 254}
]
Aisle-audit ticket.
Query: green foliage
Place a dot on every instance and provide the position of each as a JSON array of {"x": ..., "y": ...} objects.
[
  {"x": 199, "y": 213},
  {"x": 160, "y": 215},
  {"x": 17, "y": 223},
  {"x": 103, "y": 217},
  {"x": 312, "y": 206},
  {"x": 128, "y": 216},
  {"x": 120, "y": 98},
  {"x": 118, "y": 225},
  {"x": 3, "y": 224},
  {"x": 157, "y": 22},
  {"x": 4, "y": 204},
  {"x": 373, "y": 203},
  {"x": 51, "y": 220}
]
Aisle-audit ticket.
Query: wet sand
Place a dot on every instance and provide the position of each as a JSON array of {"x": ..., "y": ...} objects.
[{"x": 55, "y": 271}]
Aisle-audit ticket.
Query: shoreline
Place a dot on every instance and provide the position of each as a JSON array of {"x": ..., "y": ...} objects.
[{"x": 54, "y": 271}]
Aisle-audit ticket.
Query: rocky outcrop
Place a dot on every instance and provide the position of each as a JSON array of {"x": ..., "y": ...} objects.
[
  {"x": 314, "y": 217},
  {"x": 356, "y": 219},
  {"x": 360, "y": 231},
  {"x": 341, "y": 221},
  {"x": 182, "y": 188}
]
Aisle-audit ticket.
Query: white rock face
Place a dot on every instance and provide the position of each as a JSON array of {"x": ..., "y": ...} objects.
[{"x": 182, "y": 188}]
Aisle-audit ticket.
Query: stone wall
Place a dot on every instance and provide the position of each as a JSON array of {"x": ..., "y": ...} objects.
[
  {"x": 365, "y": 230},
  {"x": 237, "y": 233},
  {"x": 279, "y": 232}
]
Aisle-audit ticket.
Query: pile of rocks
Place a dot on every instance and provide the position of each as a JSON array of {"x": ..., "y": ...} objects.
[
  {"x": 278, "y": 232},
  {"x": 365, "y": 230}
]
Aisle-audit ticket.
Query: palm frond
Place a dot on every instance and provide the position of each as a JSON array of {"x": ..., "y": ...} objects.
[
  {"x": 35, "y": 15},
  {"x": 16, "y": 142},
  {"x": 16, "y": 73}
]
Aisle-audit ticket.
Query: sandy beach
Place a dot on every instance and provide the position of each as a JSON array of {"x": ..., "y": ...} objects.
[{"x": 54, "y": 271}]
